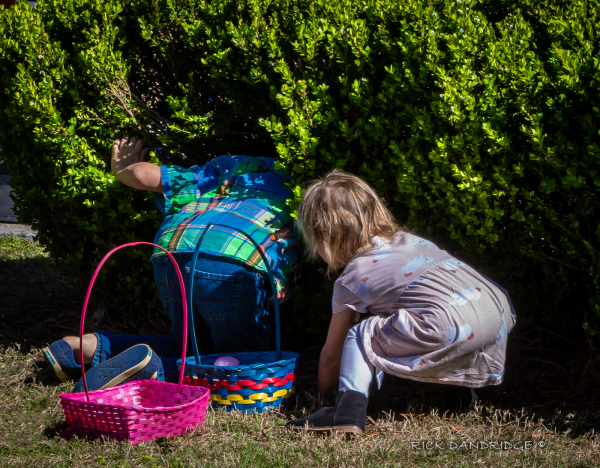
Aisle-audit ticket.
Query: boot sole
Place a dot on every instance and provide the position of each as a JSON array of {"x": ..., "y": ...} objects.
[
  {"x": 129, "y": 372},
  {"x": 126, "y": 369},
  {"x": 348, "y": 430},
  {"x": 55, "y": 366}
]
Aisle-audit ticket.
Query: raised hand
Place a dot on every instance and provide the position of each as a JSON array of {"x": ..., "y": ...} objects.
[
  {"x": 127, "y": 151},
  {"x": 129, "y": 166}
]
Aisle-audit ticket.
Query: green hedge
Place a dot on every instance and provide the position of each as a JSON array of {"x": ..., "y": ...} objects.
[{"x": 476, "y": 120}]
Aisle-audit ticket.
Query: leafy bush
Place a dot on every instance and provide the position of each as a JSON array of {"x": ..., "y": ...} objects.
[{"x": 476, "y": 121}]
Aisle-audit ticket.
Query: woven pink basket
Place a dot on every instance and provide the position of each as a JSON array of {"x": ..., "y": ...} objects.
[{"x": 141, "y": 410}]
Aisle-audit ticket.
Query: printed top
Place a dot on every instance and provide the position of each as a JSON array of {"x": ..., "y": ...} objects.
[
  {"x": 374, "y": 279},
  {"x": 242, "y": 192},
  {"x": 435, "y": 318}
]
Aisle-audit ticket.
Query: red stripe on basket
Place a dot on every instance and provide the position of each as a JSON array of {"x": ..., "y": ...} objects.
[
  {"x": 259, "y": 386},
  {"x": 271, "y": 380},
  {"x": 245, "y": 383},
  {"x": 233, "y": 388}
]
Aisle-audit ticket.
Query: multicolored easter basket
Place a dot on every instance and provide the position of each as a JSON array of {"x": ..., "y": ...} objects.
[
  {"x": 141, "y": 410},
  {"x": 263, "y": 381}
]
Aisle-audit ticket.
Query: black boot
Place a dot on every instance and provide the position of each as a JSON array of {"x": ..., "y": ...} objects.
[
  {"x": 460, "y": 398},
  {"x": 349, "y": 414}
]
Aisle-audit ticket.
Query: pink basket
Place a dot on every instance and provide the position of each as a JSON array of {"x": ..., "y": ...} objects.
[{"x": 141, "y": 410}]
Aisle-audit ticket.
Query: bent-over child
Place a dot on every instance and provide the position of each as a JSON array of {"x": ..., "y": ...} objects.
[
  {"x": 231, "y": 288},
  {"x": 435, "y": 319}
]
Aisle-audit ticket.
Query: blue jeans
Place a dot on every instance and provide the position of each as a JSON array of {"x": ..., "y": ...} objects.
[{"x": 229, "y": 308}]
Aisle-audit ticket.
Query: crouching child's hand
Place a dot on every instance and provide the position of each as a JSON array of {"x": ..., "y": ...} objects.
[{"x": 130, "y": 167}]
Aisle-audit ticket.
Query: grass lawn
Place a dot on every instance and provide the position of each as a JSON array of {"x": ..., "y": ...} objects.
[{"x": 37, "y": 305}]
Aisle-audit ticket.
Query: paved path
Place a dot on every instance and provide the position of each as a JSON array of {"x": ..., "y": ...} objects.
[
  {"x": 8, "y": 221},
  {"x": 19, "y": 230}
]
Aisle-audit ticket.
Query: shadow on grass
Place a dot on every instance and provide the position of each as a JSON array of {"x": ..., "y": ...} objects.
[
  {"x": 41, "y": 305},
  {"x": 56, "y": 430},
  {"x": 554, "y": 378},
  {"x": 549, "y": 374},
  {"x": 43, "y": 375},
  {"x": 38, "y": 303}
]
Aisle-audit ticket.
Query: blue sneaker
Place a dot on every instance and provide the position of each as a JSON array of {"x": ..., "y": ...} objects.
[
  {"x": 136, "y": 363},
  {"x": 60, "y": 357}
]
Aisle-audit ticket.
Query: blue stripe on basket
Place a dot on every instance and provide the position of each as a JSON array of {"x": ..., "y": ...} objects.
[
  {"x": 256, "y": 360},
  {"x": 210, "y": 370},
  {"x": 263, "y": 367},
  {"x": 202, "y": 372},
  {"x": 258, "y": 378}
]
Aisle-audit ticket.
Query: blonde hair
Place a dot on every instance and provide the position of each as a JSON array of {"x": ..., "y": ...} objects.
[{"x": 341, "y": 213}]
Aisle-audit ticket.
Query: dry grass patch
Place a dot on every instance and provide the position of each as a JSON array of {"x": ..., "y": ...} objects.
[
  {"x": 39, "y": 305},
  {"x": 31, "y": 420}
]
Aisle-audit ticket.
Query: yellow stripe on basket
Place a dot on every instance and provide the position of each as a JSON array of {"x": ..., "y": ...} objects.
[
  {"x": 279, "y": 393},
  {"x": 269, "y": 400},
  {"x": 236, "y": 398},
  {"x": 263, "y": 397},
  {"x": 223, "y": 402},
  {"x": 245, "y": 402}
]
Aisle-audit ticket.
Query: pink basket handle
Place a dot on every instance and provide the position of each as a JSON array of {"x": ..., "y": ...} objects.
[{"x": 87, "y": 298}]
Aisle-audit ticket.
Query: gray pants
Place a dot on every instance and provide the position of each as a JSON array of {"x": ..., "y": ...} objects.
[{"x": 356, "y": 371}]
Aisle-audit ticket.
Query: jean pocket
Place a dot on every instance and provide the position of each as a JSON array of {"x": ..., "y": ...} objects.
[
  {"x": 216, "y": 296},
  {"x": 161, "y": 278}
]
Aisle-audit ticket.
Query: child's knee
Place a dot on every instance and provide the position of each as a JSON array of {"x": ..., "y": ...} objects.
[{"x": 358, "y": 329}]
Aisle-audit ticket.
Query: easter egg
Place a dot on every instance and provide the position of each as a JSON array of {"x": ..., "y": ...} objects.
[{"x": 227, "y": 361}]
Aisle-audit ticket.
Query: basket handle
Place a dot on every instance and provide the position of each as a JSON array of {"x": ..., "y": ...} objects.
[
  {"x": 89, "y": 292},
  {"x": 190, "y": 290}
]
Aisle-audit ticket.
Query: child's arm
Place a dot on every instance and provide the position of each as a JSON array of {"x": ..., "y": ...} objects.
[
  {"x": 129, "y": 167},
  {"x": 331, "y": 355}
]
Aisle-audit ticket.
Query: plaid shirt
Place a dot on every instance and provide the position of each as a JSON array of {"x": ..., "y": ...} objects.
[{"x": 239, "y": 191}]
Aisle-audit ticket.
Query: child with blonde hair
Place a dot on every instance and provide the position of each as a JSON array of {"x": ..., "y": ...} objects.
[{"x": 435, "y": 319}]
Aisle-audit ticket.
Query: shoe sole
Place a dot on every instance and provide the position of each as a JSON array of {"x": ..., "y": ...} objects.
[
  {"x": 129, "y": 372},
  {"x": 348, "y": 430},
  {"x": 55, "y": 366}
]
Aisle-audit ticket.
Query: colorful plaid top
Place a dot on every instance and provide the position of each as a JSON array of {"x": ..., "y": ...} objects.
[{"x": 243, "y": 192}]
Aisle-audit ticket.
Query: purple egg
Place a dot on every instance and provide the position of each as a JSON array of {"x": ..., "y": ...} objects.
[{"x": 227, "y": 361}]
